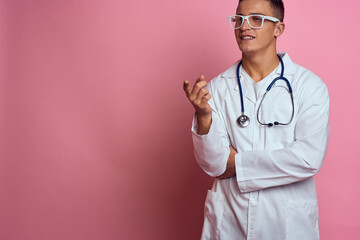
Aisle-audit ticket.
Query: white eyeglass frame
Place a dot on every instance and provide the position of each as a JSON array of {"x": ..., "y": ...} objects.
[{"x": 272, "y": 19}]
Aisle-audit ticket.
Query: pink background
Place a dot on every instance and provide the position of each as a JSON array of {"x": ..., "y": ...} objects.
[{"x": 95, "y": 129}]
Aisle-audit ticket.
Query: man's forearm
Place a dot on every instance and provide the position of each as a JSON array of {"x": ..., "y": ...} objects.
[{"x": 212, "y": 148}]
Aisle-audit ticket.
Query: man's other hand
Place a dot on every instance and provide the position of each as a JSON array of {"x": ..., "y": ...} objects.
[{"x": 230, "y": 168}]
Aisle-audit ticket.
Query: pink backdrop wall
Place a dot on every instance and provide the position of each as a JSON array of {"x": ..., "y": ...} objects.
[{"x": 95, "y": 129}]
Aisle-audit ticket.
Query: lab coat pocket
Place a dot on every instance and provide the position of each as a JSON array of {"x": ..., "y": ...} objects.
[
  {"x": 302, "y": 220},
  {"x": 213, "y": 214}
]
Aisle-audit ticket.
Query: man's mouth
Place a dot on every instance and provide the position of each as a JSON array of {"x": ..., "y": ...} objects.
[{"x": 247, "y": 37}]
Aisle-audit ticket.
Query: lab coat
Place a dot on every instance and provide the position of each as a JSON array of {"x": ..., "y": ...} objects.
[{"x": 273, "y": 194}]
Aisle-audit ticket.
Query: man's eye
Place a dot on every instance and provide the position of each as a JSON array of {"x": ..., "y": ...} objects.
[
  {"x": 236, "y": 19},
  {"x": 257, "y": 19}
]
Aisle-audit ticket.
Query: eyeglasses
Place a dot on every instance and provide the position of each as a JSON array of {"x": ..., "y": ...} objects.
[{"x": 255, "y": 21}]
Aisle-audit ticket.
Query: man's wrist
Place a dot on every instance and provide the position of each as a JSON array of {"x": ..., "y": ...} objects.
[{"x": 204, "y": 123}]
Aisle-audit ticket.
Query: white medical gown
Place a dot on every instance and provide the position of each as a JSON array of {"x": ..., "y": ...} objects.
[{"x": 273, "y": 195}]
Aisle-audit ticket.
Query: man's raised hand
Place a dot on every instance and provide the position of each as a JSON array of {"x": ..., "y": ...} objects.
[{"x": 199, "y": 96}]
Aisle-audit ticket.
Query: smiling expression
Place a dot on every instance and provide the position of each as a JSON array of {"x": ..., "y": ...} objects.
[{"x": 253, "y": 41}]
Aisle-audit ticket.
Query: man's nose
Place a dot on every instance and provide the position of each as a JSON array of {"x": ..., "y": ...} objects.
[{"x": 245, "y": 25}]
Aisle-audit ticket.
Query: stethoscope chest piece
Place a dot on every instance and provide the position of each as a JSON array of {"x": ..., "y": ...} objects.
[{"x": 243, "y": 121}]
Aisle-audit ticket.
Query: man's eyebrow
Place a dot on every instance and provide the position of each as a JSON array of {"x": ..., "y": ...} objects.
[{"x": 251, "y": 14}]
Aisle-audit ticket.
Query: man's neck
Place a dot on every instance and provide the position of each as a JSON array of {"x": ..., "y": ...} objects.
[{"x": 260, "y": 65}]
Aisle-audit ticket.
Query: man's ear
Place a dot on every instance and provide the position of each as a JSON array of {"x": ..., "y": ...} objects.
[{"x": 279, "y": 29}]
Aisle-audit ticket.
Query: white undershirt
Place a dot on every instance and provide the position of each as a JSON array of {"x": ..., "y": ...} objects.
[{"x": 258, "y": 86}]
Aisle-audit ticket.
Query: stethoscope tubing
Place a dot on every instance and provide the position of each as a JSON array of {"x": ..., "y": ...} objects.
[
  {"x": 240, "y": 89},
  {"x": 281, "y": 77}
]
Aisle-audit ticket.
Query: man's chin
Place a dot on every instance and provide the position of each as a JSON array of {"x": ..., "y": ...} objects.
[{"x": 247, "y": 51}]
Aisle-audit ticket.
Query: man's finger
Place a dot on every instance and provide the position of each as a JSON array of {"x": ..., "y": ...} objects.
[
  {"x": 206, "y": 98},
  {"x": 202, "y": 92},
  {"x": 197, "y": 87},
  {"x": 187, "y": 87},
  {"x": 201, "y": 78}
]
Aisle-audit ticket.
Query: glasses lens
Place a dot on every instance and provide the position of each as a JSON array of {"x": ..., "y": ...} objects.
[
  {"x": 256, "y": 21},
  {"x": 235, "y": 21}
]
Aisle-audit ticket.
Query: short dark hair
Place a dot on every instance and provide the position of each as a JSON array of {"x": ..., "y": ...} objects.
[{"x": 278, "y": 7}]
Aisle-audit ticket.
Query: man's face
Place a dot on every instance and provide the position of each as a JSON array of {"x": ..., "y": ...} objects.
[{"x": 261, "y": 39}]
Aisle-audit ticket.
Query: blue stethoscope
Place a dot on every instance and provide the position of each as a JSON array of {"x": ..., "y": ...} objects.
[{"x": 243, "y": 120}]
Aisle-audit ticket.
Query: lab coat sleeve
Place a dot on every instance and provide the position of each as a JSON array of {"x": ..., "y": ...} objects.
[
  {"x": 298, "y": 161},
  {"x": 212, "y": 149}
]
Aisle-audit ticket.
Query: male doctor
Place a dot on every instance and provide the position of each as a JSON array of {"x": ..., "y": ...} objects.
[{"x": 264, "y": 186}]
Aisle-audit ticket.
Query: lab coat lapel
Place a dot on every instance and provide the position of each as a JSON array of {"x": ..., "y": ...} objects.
[{"x": 248, "y": 91}]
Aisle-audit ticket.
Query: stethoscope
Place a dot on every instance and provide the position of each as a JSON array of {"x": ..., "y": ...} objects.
[{"x": 243, "y": 120}]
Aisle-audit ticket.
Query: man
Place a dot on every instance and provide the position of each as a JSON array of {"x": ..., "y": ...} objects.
[{"x": 263, "y": 168}]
